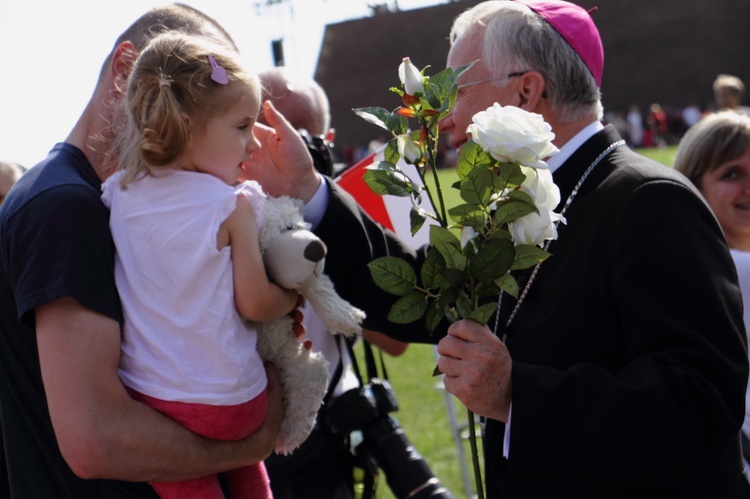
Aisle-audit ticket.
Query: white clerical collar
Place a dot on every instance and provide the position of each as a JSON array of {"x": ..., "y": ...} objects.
[{"x": 571, "y": 146}]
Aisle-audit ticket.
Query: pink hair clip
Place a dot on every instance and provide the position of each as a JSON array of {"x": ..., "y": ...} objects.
[{"x": 218, "y": 74}]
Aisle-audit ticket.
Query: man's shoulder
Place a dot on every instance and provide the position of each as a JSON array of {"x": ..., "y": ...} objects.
[
  {"x": 631, "y": 166},
  {"x": 63, "y": 180}
]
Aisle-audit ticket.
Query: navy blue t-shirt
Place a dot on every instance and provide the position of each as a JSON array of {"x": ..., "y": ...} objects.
[{"x": 54, "y": 243}]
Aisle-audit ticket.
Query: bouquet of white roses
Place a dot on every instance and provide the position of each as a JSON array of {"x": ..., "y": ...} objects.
[
  {"x": 507, "y": 192},
  {"x": 506, "y": 215}
]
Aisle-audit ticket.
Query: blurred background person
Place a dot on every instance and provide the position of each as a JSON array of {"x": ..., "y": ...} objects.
[
  {"x": 304, "y": 103},
  {"x": 635, "y": 126},
  {"x": 728, "y": 92},
  {"x": 9, "y": 174},
  {"x": 715, "y": 155}
]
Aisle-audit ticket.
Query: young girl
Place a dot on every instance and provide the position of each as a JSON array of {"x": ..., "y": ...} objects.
[{"x": 188, "y": 266}]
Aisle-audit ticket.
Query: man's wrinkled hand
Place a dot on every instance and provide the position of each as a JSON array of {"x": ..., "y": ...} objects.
[{"x": 283, "y": 165}]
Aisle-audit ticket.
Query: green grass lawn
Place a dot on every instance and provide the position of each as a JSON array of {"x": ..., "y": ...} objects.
[
  {"x": 664, "y": 155},
  {"x": 422, "y": 411}
]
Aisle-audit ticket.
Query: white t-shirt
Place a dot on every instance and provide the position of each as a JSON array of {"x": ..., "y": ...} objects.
[
  {"x": 183, "y": 339},
  {"x": 742, "y": 262}
]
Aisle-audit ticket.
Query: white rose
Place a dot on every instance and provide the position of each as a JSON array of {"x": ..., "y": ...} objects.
[
  {"x": 408, "y": 149},
  {"x": 535, "y": 229},
  {"x": 467, "y": 235},
  {"x": 510, "y": 134},
  {"x": 410, "y": 77},
  {"x": 540, "y": 186}
]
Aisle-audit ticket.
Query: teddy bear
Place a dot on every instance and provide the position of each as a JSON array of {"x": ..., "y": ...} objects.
[{"x": 294, "y": 258}]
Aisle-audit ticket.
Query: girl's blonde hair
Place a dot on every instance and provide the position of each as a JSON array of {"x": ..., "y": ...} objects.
[
  {"x": 172, "y": 81},
  {"x": 711, "y": 142}
]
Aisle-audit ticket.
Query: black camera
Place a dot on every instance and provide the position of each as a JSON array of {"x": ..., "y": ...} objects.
[
  {"x": 319, "y": 148},
  {"x": 366, "y": 409}
]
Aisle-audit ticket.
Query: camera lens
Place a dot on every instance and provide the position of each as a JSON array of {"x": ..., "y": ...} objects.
[{"x": 407, "y": 473}]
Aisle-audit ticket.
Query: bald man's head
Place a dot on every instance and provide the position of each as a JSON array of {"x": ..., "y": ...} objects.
[{"x": 301, "y": 100}]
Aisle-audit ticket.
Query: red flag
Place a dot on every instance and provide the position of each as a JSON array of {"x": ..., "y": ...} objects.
[
  {"x": 352, "y": 181},
  {"x": 389, "y": 211}
]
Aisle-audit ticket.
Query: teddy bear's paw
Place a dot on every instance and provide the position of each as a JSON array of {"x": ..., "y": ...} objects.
[
  {"x": 338, "y": 315},
  {"x": 347, "y": 323}
]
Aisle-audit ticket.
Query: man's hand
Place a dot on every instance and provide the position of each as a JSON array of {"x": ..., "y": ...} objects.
[
  {"x": 283, "y": 165},
  {"x": 477, "y": 369},
  {"x": 261, "y": 443},
  {"x": 298, "y": 326}
]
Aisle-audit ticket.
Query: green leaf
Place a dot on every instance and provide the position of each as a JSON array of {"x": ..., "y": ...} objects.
[
  {"x": 390, "y": 153},
  {"x": 375, "y": 115},
  {"x": 468, "y": 215},
  {"x": 476, "y": 187},
  {"x": 448, "y": 296},
  {"x": 472, "y": 157},
  {"x": 397, "y": 124},
  {"x": 519, "y": 195},
  {"x": 510, "y": 174},
  {"x": 501, "y": 234},
  {"x": 448, "y": 245},
  {"x": 408, "y": 308},
  {"x": 527, "y": 256},
  {"x": 393, "y": 275},
  {"x": 434, "y": 316},
  {"x": 417, "y": 219},
  {"x": 461, "y": 70},
  {"x": 388, "y": 181},
  {"x": 455, "y": 75},
  {"x": 438, "y": 89},
  {"x": 397, "y": 90},
  {"x": 454, "y": 277},
  {"x": 508, "y": 284},
  {"x": 485, "y": 288},
  {"x": 510, "y": 211},
  {"x": 483, "y": 314},
  {"x": 464, "y": 306},
  {"x": 431, "y": 270},
  {"x": 494, "y": 259}
]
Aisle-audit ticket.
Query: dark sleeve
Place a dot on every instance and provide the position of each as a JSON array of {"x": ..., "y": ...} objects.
[
  {"x": 61, "y": 246},
  {"x": 677, "y": 400},
  {"x": 354, "y": 240}
]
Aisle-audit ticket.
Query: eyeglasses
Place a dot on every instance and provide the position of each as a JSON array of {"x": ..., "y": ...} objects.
[{"x": 511, "y": 75}]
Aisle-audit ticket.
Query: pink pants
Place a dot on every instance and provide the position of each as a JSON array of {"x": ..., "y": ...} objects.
[{"x": 232, "y": 422}]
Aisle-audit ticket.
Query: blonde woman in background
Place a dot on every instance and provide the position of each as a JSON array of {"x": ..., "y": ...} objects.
[{"x": 715, "y": 155}]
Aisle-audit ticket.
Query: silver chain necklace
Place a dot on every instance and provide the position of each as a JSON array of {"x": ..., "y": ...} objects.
[{"x": 567, "y": 204}]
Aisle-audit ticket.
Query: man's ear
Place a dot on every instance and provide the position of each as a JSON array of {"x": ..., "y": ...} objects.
[
  {"x": 531, "y": 89},
  {"x": 123, "y": 58}
]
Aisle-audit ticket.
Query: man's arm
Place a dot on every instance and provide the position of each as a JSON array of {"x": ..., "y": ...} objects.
[{"x": 102, "y": 432}]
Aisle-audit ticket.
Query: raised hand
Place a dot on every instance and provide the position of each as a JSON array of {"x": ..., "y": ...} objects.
[{"x": 283, "y": 165}]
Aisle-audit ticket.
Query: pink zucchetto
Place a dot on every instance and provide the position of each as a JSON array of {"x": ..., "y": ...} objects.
[{"x": 577, "y": 27}]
